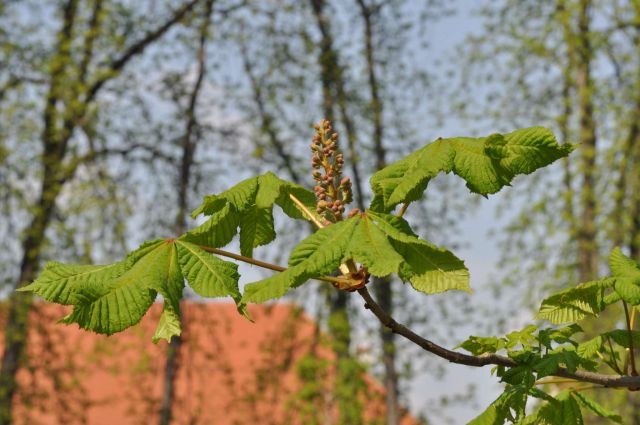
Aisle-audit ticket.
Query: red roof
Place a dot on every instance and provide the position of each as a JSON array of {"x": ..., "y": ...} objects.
[{"x": 231, "y": 371}]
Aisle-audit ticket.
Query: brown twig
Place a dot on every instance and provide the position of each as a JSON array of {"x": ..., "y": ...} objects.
[{"x": 612, "y": 381}]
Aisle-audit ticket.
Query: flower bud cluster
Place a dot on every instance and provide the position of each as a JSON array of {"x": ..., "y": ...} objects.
[{"x": 332, "y": 190}]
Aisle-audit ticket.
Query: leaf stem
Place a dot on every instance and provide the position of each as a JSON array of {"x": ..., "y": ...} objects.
[
  {"x": 274, "y": 267},
  {"x": 614, "y": 361},
  {"x": 555, "y": 381},
  {"x": 630, "y": 350},
  {"x": 403, "y": 209},
  {"x": 304, "y": 208}
]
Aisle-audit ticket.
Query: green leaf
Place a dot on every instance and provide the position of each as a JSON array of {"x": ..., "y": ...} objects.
[
  {"x": 573, "y": 304},
  {"x": 477, "y": 345},
  {"x": 170, "y": 288},
  {"x": 218, "y": 231},
  {"x": 110, "y": 298},
  {"x": 623, "y": 266},
  {"x": 249, "y": 205},
  {"x": 553, "y": 360},
  {"x": 58, "y": 281},
  {"x": 561, "y": 335},
  {"x": 113, "y": 305},
  {"x": 621, "y": 337},
  {"x": 565, "y": 410},
  {"x": 628, "y": 290},
  {"x": 430, "y": 269},
  {"x": 275, "y": 286},
  {"x": 597, "y": 408},
  {"x": 321, "y": 253},
  {"x": 208, "y": 275},
  {"x": 590, "y": 348},
  {"x": 256, "y": 229},
  {"x": 487, "y": 164},
  {"x": 371, "y": 247},
  {"x": 512, "y": 400}
]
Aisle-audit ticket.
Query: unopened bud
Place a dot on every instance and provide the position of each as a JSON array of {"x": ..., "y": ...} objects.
[
  {"x": 345, "y": 182},
  {"x": 334, "y": 136},
  {"x": 353, "y": 212}
]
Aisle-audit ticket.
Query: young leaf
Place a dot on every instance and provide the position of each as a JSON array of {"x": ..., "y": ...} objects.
[
  {"x": 318, "y": 254},
  {"x": 170, "y": 287},
  {"x": 430, "y": 269},
  {"x": 565, "y": 410},
  {"x": 58, "y": 281},
  {"x": 477, "y": 345},
  {"x": 218, "y": 231},
  {"x": 249, "y": 205},
  {"x": 597, "y": 408},
  {"x": 623, "y": 266},
  {"x": 371, "y": 247},
  {"x": 590, "y": 348},
  {"x": 552, "y": 360},
  {"x": 487, "y": 164},
  {"x": 107, "y": 299},
  {"x": 628, "y": 290},
  {"x": 116, "y": 304},
  {"x": 573, "y": 304},
  {"x": 208, "y": 275},
  {"x": 514, "y": 398}
]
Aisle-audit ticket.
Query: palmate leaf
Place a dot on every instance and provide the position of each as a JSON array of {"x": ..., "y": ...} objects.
[
  {"x": 248, "y": 205},
  {"x": 574, "y": 304},
  {"x": 590, "y": 348},
  {"x": 430, "y": 269},
  {"x": 623, "y": 266},
  {"x": 487, "y": 164},
  {"x": 110, "y": 298},
  {"x": 512, "y": 400},
  {"x": 58, "y": 281},
  {"x": 320, "y": 253},
  {"x": 597, "y": 408},
  {"x": 383, "y": 243},
  {"x": 564, "y": 410}
]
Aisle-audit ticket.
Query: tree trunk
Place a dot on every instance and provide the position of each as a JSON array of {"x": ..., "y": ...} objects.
[
  {"x": 54, "y": 148},
  {"x": 66, "y": 103},
  {"x": 382, "y": 286},
  {"x": 587, "y": 244},
  {"x": 568, "y": 84},
  {"x": 189, "y": 143},
  {"x": 339, "y": 323}
]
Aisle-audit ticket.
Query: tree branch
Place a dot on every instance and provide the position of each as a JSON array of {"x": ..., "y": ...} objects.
[
  {"x": 612, "y": 381},
  {"x": 118, "y": 64}
]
